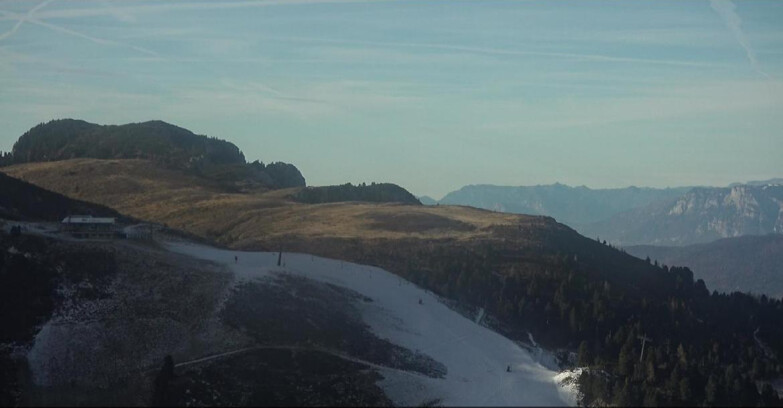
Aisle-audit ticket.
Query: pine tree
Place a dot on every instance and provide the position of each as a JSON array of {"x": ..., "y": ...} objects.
[
  {"x": 584, "y": 358},
  {"x": 711, "y": 390},
  {"x": 682, "y": 356},
  {"x": 160, "y": 396},
  {"x": 622, "y": 395},
  {"x": 685, "y": 390},
  {"x": 650, "y": 398}
]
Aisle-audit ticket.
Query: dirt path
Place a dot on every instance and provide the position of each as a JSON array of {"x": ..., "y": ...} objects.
[{"x": 335, "y": 353}]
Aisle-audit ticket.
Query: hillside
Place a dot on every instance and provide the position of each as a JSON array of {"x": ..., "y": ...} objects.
[
  {"x": 467, "y": 362},
  {"x": 701, "y": 215},
  {"x": 24, "y": 201},
  {"x": 157, "y": 141},
  {"x": 529, "y": 273},
  {"x": 752, "y": 263},
  {"x": 89, "y": 323},
  {"x": 148, "y": 191},
  {"x": 571, "y": 205}
]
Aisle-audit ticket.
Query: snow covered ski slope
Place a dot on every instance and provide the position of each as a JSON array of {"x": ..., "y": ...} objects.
[{"x": 475, "y": 357}]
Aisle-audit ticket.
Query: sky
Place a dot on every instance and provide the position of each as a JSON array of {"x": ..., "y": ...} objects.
[{"x": 430, "y": 95}]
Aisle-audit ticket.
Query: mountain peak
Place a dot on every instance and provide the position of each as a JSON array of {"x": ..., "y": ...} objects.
[{"x": 170, "y": 145}]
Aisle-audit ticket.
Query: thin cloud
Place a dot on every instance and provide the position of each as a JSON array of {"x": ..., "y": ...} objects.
[
  {"x": 498, "y": 51},
  {"x": 725, "y": 9},
  {"x": 21, "y": 19},
  {"x": 129, "y": 11},
  {"x": 101, "y": 41},
  {"x": 675, "y": 101},
  {"x": 33, "y": 17},
  {"x": 267, "y": 90}
]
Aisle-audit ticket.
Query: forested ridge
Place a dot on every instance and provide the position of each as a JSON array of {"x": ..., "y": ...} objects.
[
  {"x": 374, "y": 192},
  {"x": 703, "y": 350},
  {"x": 158, "y": 141}
]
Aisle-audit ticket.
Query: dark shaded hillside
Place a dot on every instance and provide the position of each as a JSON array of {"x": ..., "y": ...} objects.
[
  {"x": 571, "y": 205},
  {"x": 375, "y": 193},
  {"x": 31, "y": 271},
  {"x": 699, "y": 216},
  {"x": 582, "y": 295},
  {"x": 751, "y": 263},
  {"x": 25, "y": 201},
  {"x": 170, "y": 145},
  {"x": 27, "y": 299}
]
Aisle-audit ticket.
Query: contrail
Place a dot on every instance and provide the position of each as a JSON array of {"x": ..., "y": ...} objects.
[
  {"x": 157, "y": 7},
  {"x": 495, "y": 51},
  {"x": 725, "y": 9},
  {"x": 22, "y": 19},
  {"x": 30, "y": 17},
  {"x": 101, "y": 41}
]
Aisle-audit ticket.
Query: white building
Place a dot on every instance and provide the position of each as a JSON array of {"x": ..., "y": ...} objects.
[{"x": 87, "y": 226}]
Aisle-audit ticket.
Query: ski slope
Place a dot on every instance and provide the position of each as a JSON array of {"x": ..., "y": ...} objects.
[{"x": 475, "y": 357}]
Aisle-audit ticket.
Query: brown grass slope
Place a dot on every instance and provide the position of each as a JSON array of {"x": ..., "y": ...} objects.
[{"x": 251, "y": 220}]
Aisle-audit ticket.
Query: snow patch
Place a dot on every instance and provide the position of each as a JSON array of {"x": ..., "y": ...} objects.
[
  {"x": 475, "y": 357},
  {"x": 568, "y": 382}
]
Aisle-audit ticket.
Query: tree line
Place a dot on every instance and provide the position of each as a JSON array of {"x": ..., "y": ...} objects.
[{"x": 704, "y": 349}]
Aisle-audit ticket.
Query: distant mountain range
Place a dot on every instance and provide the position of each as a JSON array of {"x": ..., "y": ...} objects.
[
  {"x": 635, "y": 216},
  {"x": 747, "y": 264},
  {"x": 570, "y": 205},
  {"x": 759, "y": 182},
  {"x": 700, "y": 215}
]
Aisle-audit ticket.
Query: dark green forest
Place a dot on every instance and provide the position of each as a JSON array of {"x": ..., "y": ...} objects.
[
  {"x": 703, "y": 350},
  {"x": 158, "y": 141},
  {"x": 374, "y": 192}
]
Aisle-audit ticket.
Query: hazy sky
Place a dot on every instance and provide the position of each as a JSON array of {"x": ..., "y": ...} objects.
[{"x": 428, "y": 95}]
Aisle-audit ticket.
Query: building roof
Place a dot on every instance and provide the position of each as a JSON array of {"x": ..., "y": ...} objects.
[{"x": 87, "y": 219}]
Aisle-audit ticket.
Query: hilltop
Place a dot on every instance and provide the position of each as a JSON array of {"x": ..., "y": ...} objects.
[{"x": 170, "y": 146}]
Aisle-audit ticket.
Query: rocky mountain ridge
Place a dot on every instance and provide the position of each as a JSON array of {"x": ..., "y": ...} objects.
[{"x": 701, "y": 215}]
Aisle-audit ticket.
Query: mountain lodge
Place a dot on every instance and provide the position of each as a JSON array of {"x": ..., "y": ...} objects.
[{"x": 87, "y": 226}]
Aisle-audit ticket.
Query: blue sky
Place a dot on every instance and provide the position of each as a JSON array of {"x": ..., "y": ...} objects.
[{"x": 428, "y": 95}]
